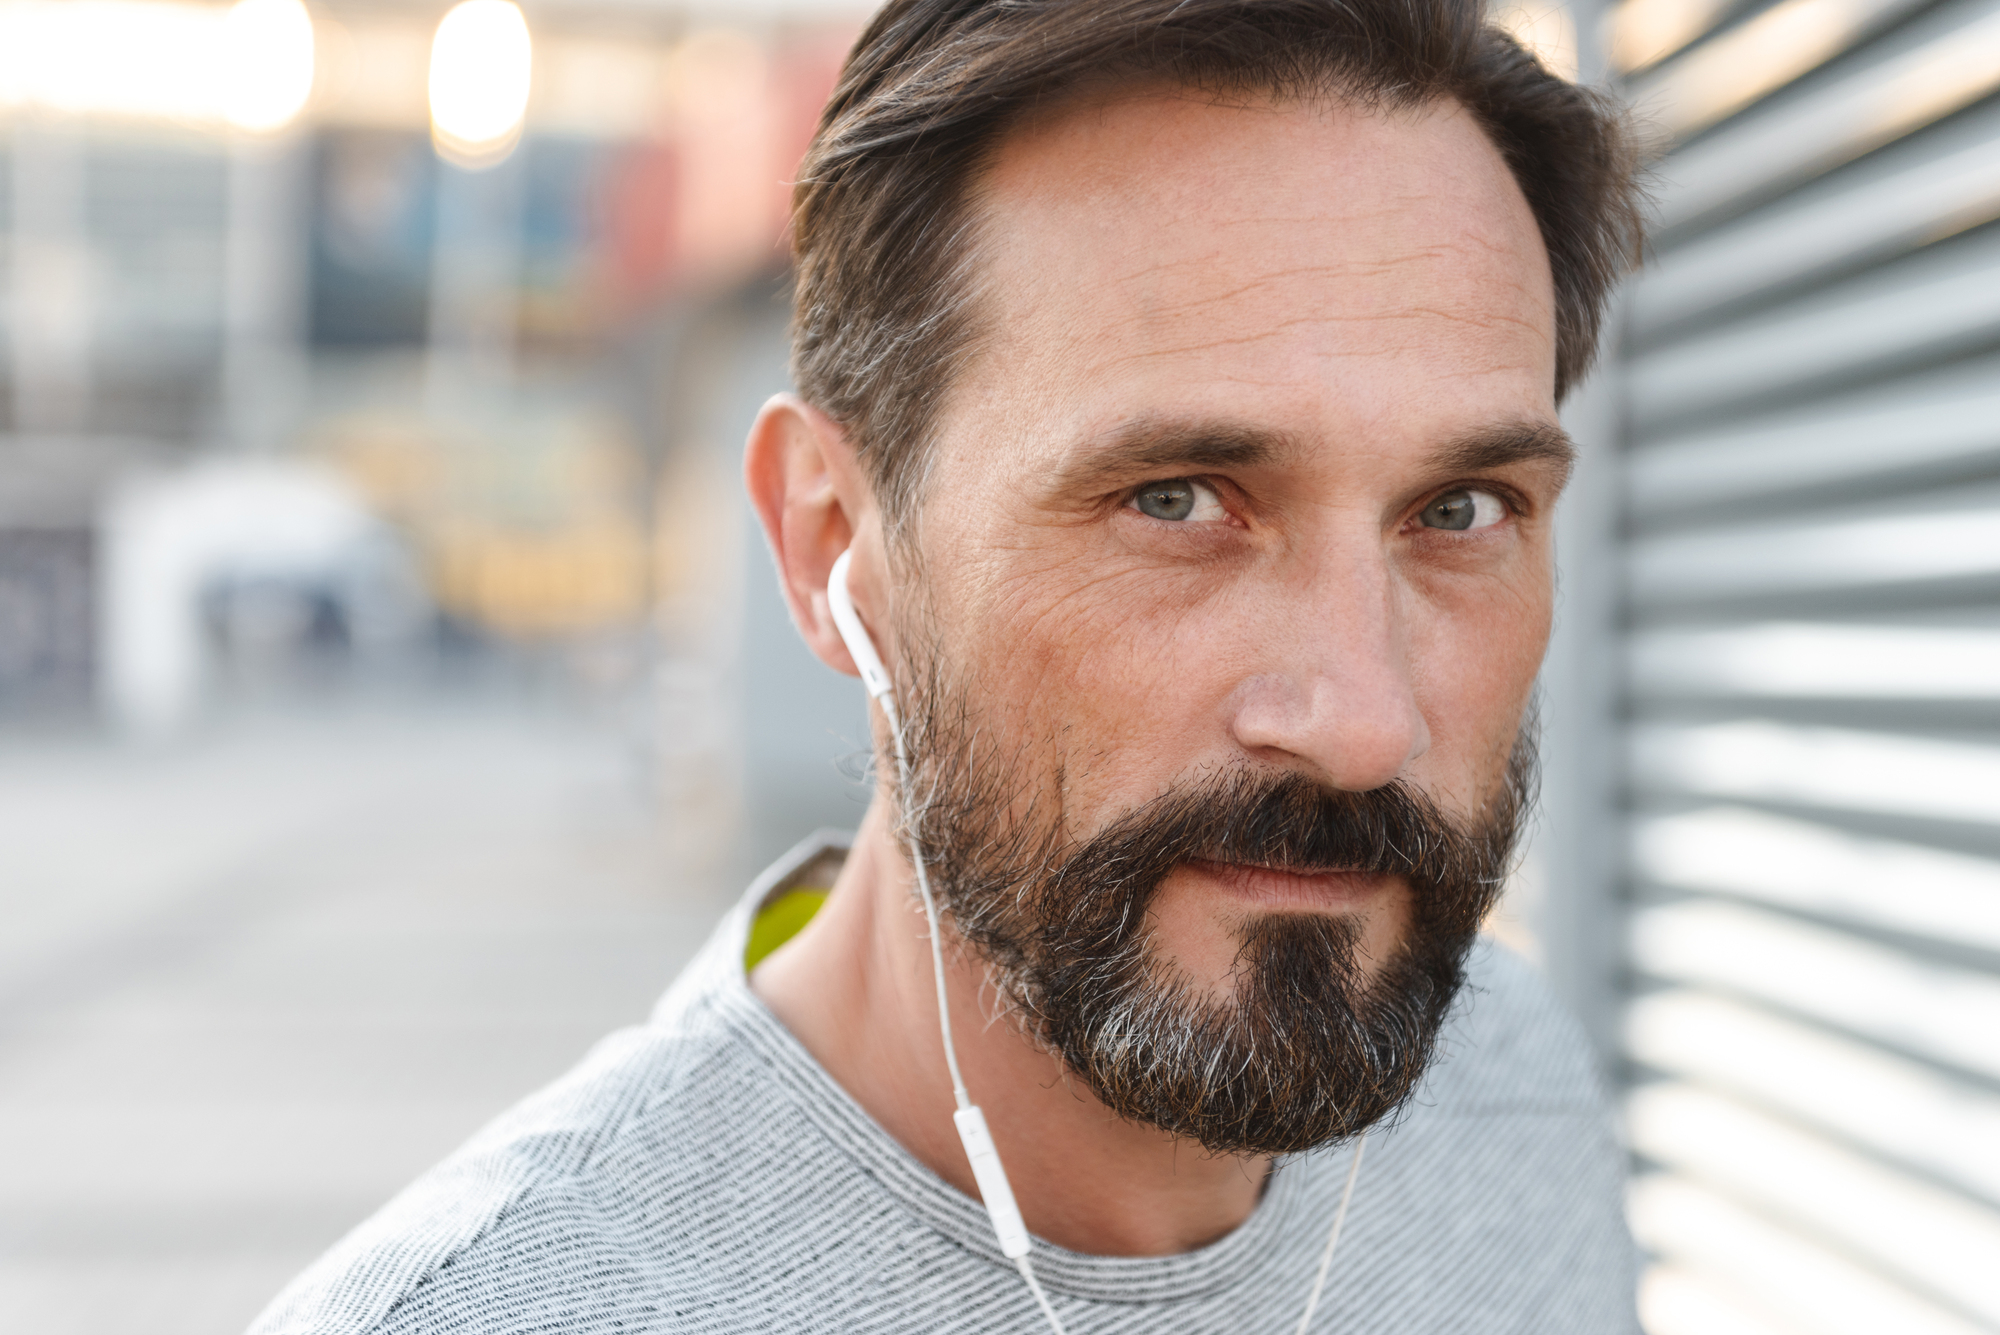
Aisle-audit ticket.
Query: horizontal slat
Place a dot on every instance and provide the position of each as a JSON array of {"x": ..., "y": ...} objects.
[
  {"x": 1939, "y": 1242},
  {"x": 1836, "y": 768},
  {"x": 1929, "y": 1010},
  {"x": 1830, "y": 1123},
  {"x": 1645, "y": 32},
  {"x": 1928, "y": 308},
  {"x": 1843, "y": 221},
  {"x": 1743, "y": 64},
  {"x": 1861, "y": 554},
  {"x": 1956, "y": 61},
  {"x": 1912, "y": 425},
  {"x": 1874, "y": 883},
  {"x": 1819, "y": 1291},
  {"x": 1894, "y": 1108},
  {"x": 1679, "y": 1299},
  {"x": 1794, "y": 660}
]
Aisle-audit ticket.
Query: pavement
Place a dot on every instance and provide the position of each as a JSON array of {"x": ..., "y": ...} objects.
[{"x": 254, "y": 982}]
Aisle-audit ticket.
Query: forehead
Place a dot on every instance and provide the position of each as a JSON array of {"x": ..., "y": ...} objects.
[{"x": 1162, "y": 251}]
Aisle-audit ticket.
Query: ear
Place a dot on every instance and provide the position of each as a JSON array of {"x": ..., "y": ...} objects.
[{"x": 814, "y": 502}]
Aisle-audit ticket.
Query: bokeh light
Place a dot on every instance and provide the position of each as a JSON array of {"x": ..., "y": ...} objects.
[
  {"x": 268, "y": 54},
  {"x": 482, "y": 63},
  {"x": 112, "y": 57},
  {"x": 250, "y": 66}
]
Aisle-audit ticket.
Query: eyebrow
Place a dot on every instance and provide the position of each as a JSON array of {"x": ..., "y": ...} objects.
[
  {"x": 1159, "y": 447},
  {"x": 1512, "y": 443}
]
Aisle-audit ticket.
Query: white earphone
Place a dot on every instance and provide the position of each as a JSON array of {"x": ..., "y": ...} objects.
[
  {"x": 987, "y": 1171},
  {"x": 852, "y": 633},
  {"x": 994, "y": 1189}
]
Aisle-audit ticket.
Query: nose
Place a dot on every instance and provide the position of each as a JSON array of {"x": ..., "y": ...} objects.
[{"x": 1334, "y": 688}]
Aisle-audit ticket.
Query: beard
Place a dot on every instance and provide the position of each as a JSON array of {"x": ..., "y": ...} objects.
[{"x": 1304, "y": 1050}]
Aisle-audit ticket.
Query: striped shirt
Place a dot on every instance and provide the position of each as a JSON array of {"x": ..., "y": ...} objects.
[{"x": 703, "y": 1173}]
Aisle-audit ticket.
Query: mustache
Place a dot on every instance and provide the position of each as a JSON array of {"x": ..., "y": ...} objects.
[{"x": 1289, "y": 821}]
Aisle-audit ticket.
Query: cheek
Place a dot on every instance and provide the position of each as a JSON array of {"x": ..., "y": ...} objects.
[
  {"x": 1105, "y": 670},
  {"x": 1474, "y": 657}
]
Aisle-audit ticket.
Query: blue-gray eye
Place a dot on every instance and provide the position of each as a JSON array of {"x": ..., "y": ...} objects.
[
  {"x": 1463, "y": 509},
  {"x": 1166, "y": 500},
  {"x": 1178, "y": 500}
]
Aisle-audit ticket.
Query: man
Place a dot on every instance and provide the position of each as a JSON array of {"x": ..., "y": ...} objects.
[{"x": 1180, "y": 379}]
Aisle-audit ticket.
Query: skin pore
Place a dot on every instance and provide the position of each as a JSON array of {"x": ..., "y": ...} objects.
[{"x": 1331, "y": 331}]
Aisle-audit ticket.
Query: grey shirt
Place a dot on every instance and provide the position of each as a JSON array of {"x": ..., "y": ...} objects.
[{"x": 703, "y": 1173}]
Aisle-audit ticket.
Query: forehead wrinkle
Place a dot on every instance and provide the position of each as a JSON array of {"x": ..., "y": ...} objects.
[
  {"x": 1278, "y": 327},
  {"x": 1348, "y": 269},
  {"x": 1477, "y": 322},
  {"x": 1356, "y": 265}
]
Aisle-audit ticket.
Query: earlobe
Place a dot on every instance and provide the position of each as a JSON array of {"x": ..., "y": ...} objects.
[{"x": 812, "y": 501}]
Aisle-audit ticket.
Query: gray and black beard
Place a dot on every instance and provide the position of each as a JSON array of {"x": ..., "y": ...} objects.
[{"x": 1303, "y": 1052}]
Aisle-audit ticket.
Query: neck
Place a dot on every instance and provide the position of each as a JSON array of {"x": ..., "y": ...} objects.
[{"x": 856, "y": 988}]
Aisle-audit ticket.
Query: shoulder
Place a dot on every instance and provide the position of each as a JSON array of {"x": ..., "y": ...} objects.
[
  {"x": 527, "y": 1193},
  {"x": 536, "y": 1149},
  {"x": 1505, "y": 1162},
  {"x": 1509, "y": 1044}
]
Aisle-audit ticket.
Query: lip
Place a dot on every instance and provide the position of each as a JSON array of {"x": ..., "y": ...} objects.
[{"x": 1274, "y": 888}]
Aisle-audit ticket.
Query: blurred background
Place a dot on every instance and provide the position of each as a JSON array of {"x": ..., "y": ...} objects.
[{"x": 394, "y": 688}]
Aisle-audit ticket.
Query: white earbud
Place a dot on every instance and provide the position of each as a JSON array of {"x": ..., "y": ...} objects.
[{"x": 853, "y": 634}]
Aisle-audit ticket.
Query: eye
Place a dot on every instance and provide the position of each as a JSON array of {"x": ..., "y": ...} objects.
[
  {"x": 1179, "y": 499},
  {"x": 1463, "y": 509}
]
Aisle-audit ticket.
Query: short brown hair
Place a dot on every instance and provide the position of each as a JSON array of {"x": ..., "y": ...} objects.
[{"x": 883, "y": 235}]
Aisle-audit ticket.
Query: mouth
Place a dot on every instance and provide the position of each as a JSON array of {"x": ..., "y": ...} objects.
[{"x": 1296, "y": 889}]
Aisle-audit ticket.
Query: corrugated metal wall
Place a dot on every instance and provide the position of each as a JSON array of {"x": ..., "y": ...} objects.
[{"x": 1810, "y": 644}]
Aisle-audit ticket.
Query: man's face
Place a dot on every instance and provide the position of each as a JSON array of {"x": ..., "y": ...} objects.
[{"x": 1250, "y": 484}]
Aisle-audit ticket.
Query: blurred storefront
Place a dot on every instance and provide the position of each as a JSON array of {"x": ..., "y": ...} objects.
[
  {"x": 506, "y": 281},
  {"x": 393, "y": 687}
]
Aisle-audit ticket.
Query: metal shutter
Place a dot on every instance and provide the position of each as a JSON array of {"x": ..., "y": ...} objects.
[{"x": 1809, "y": 676}]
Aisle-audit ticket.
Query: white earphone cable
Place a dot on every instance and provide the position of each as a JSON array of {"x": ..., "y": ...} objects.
[
  {"x": 1333, "y": 1237},
  {"x": 1027, "y": 1269},
  {"x": 958, "y": 1091}
]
